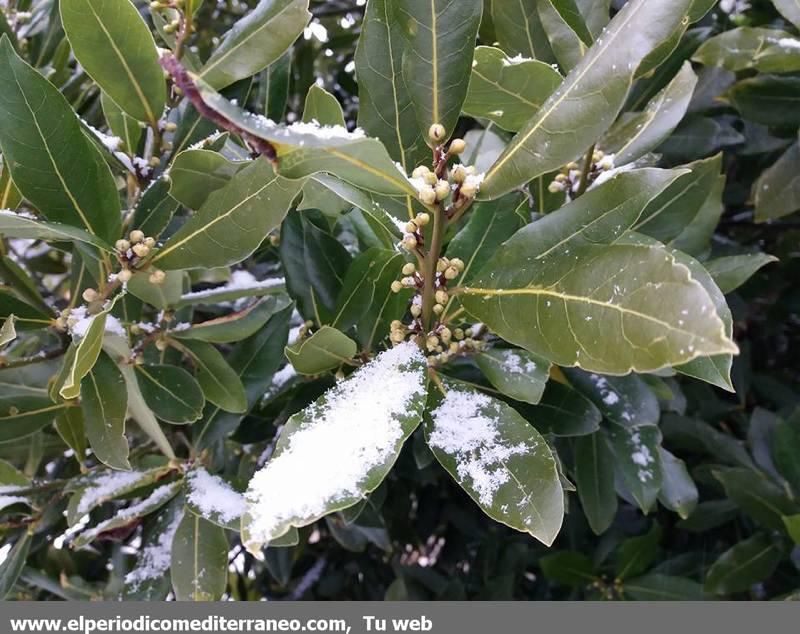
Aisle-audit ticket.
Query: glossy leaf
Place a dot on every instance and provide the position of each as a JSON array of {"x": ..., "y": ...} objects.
[
  {"x": 322, "y": 107},
  {"x": 72, "y": 429},
  {"x": 232, "y": 223},
  {"x": 678, "y": 491},
  {"x": 563, "y": 412},
  {"x": 732, "y": 271},
  {"x": 22, "y": 226},
  {"x": 758, "y": 497},
  {"x": 195, "y": 174},
  {"x": 326, "y": 349},
  {"x": 23, "y": 415},
  {"x": 440, "y": 36},
  {"x": 594, "y": 477},
  {"x": 785, "y": 443},
  {"x": 73, "y": 186},
  {"x": 777, "y": 191},
  {"x": 8, "y": 333},
  {"x": 499, "y": 459},
  {"x": 568, "y": 567},
  {"x": 220, "y": 384},
  {"x": 155, "y": 208},
  {"x": 162, "y": 296},
  {"x": 638, "y": 462},
  {"x": 393, "y": 389},
  {"x": 747, "y": 563},
  {"x": 87, "y": 350},
  {"x": 516, "y": 373},
  {"x": 588, "y": 101},
  {"x": 767, "y": 50},
  {"x": 520, "y": 30},
  {"x": 636, "y": 554},
  {"x": 568, "y": 34},
  {"x": 360, "y": 285},
  {"x": 124, "y": 127},
  {"x": 767, "y": 99},
  {"x": 636, "y": 134},
  {"x": 13, "y": 564},
  {"x": 104, "y": 402},
  {"x": 658, "y": 587},
  {"x": 238, "y": 325},
  {"x": 171, "y": 392},
  {"x": 115, "y": 47},
  {"x": 506, "y": 90},
  {"x": 385, "y": 108},
  {"x": 199, "y": 560},
  {"x": 624, "y": 400},
  {"x": 256, "y": 41}
]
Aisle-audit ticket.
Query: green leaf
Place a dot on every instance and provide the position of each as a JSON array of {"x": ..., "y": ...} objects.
[
  {"x": 440, "y": 38},
  {"x": 115, "y": 48},
  {"x": 597, "y": 307},
  {"x": 87, "y": 350},
  {"x": 638, "y": 462},
  {"x": 219, "y": 381},
  {"x": 636, "y": 554},
  {"x": 238, "y": 325},
  {"x": 516, "y": 373},
  {"x": 519, "y": 29},
  {"x": 72, "y": 429},
  {"x": 104, "y": 401},
  {"x": 322, "y": 107},
  {"x": 732, "y": 271},
  {"x": 777, "y": 190},
  {"x": 374, "y": 324},
  {"x": 385, "y": 109},
  {"x": 199, "y": 567},
  {"x": 360, "y": 285},
  {"x": 274, "y": 85},
  {"x": 315, "y": 264},
  {"x": 594, "y": 477},
  {"x": 624, "y": 400},
  {"x": 508, "y": 91},
  {"x": 254, "y": 361},
  {"x": 758, "y": 497},
  {"x": 563, "y": 412},
  {"x": 305, "y": 149},
  {"x": 701, "y": 437},
  {"x": 73, "y": 185},
  {"x": 23, "y": 226},
  {"x": 213, "y": 499},
  {"x": 195, "y": 174},
  {"x": 171, "y": 393},
  {"x": 233, "y": 221},
  {"x": 658, "y": 587},
  {"x": 569, "y": 568},
  {"x": 326, "y": 349},
  {"x": 161, "y": 296},
  {"x": 765, "y": 99},
  {"x": 8, "y": 333},
  {"x": 636, "y": 134},
  {"x": 13, "y": 564},
  {"x": 499, "y": 459},
  {"x": 678, "y": 490},
  {"x": 749, "y": 47},
  {"x": 789, "y": 9},
  {"x": 126, "y": 128},
  {"x": 232, "y": 291},
  {"x": 590, "y": 98},
  {"x": 155, "y": 208},
  {"x": 256, "y": 41},
  {"x": 23, "y": 415},
  {"x": 747, "y": 563},
  {"x": 129, "y": 516},
  {"x": 369, "y": 414},
  {"x": 568, "y": 34},
  {"x": 785, "y": 446},
  {"x": 792, "y": 523}
]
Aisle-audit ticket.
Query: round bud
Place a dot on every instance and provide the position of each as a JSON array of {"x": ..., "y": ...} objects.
[
  {"x": 161, "y": 345},
  {"x": 442, "y": 190},
  {"x": 441, "y": 297},
  {"x": 409, "y": 242},
  {"x": 170, "y": 126},
  {"x": 450, "y": 273},
  {"x": 409, "y": 268},
  {"x": 438, "y": 309},
  {"x": 124, "y": 276},
  {"x": 457, "y": 147},
  {"x": 396, "y": 286},
  {"x": 554, "y": 187},
  {"x": 459, "y": 174},
  {"x": 427, "y": 196},
  {"x": 572, "y": 166},
  {"x": 458, "y": 263},
  {"x": 431, "y": 179},
  {"x": 157, "y": 277},
  {"x": 432, "y": 342},
  {"x": 409, "y": 282},
  {"x": 416, "y": 310},
  {"x": 442, "y": 264},
  {"x": 561, "y": 178},
  {"x": 411, "y": 227},
  {"x": 396, "y": 324},
  {"x": 90, "y": 295},
  {"x": 136, "y": 236},
  {"x": 141, "y": 250},
  {"x": 445, "y": 335},
  {"x": 419, "y": 172},
  {"x": 274, "y": 240},
  {"x": 397, "y": 336},
  {"x": 422, "y": 219},
  {"x": 458, "y": 334},
  {"x": 150, "y": 242},
  {"x": 468, "y": 190},
  {"x": 122, "y": 245},
  {"x": 437, "y": 133},
  {"x": 154, "y": 161}
]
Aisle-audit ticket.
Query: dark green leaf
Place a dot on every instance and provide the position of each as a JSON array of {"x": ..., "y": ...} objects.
[
  {"x": 569, "y": 568},
  {"x": 658, "y": 587},
  {"x": 195, "y": 174},
  {"x": 564, "y": 412},
  {"x": 777, "y": 191},
  {"x": 326, "y": 349},
  {"x": 638, "y": 462},
  {"x": 678, "y": 491},
  {"x": 594, "y": 476},
  {"x": 238, "y": 325},
  {"x": 516, "y": 373},
  {"x": 171, "y": 392},
  {"x": 757, "y": 497},
  {"x": 12, "y": 566},
  {"x": 749, "y": 562},
  {"x": 766, "y": 99},
  {"x": 219, "y": 382},
  {"x": 731, "y": 272},
  {"x": 104, "y": 401}
]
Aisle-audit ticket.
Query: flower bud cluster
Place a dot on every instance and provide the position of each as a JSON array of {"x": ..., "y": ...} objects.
[
  {"x": 412, "y": 236},
  {"x": 445, "y": 344},
  {"x": 569, "y": 178},
  {"x": 133, "y": 250}
]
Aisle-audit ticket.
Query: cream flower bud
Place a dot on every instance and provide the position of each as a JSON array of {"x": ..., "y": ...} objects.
[
  {"x": 422, "y": 219},
  {"x": 438, "y": 309},
  {"x": 442, "y": 190},
  {"x": 419, "y": 172},
  {"x": 450, "y": 273},
  {"x": 409, "y": 242},
  {"x": 458, "y": 263},
  {"x": 122, "y": 245},
  {"x": 441, "y": 297},
  {"x": 141, "y": 250},
  {"x": 396, "y": 286},
  {"x": 459, "y": 174},
  {"x": 136, "y": 236},
  {"x": 427, "y": 196},
  {"x": 157, "y": 277},
  {"x": 150, "y": 242},
  {"x": 437, "y": 133},
  {"x": 90, "y": 295},
  {"x": 409, "y": 268},
  {"x": 411, "y": 227},
  {"x": 124, "y": 276},
  {"x": 457, "y": 147}
]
